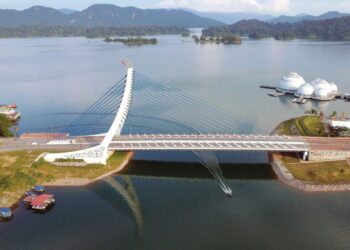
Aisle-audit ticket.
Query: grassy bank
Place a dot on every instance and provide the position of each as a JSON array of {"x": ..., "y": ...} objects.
[
  {"x": 303, "y": 126},
  {"x": 18, "y": 173},
  {"x": 316, "y": 172}
]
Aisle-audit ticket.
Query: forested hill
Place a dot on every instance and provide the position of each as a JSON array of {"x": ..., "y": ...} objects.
[
  {"x": 330, "y": 29},
  {"x": 103, "y": 15}
]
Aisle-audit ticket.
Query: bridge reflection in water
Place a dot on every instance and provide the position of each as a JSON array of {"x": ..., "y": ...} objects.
[{"x": 112, "y": 188}]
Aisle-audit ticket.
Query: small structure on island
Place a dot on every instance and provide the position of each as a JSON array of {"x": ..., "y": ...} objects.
[{"x": 339, "y": 126}]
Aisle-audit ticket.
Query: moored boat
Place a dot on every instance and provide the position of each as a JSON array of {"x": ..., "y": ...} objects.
[
  {"x": 5, "y": 213},
  {"x": 39, "y": 202},
  {"x": 10, "y": 112},
  {"x": 39, "y": 189}
]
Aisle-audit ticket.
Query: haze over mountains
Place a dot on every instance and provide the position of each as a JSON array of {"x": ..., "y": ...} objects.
[
  {"x": 108, "y": 15},
  {"x": 103, "y": 15},
  {"x": 300, "y": 18},
  {"x": 230, "y": 18}
]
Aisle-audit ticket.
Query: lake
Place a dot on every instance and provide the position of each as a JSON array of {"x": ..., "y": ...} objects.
[{"x": 156, "y": 203}]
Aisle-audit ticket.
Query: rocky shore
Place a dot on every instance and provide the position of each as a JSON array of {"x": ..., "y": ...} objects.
[{"x": 285, "y": 176}]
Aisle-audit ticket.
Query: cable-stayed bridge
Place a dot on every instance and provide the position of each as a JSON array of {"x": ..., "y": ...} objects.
[{"x": 140, "y": 114}]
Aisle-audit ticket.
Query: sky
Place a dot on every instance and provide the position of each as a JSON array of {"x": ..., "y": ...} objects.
[{"x": 274, "y": 7}]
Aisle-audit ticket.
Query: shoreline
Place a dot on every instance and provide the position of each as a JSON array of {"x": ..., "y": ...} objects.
[
  {"x": 286, "y": 177},
  {"x": 80, "y": 182}
]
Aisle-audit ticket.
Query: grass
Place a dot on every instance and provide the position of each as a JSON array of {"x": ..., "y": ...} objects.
[
  {"x": 18, "y": 173},
  {"x": 318, "y": 172},
  {"x": 303, "y": 126}
]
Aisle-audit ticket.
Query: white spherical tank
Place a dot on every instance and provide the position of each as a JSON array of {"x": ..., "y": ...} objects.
[
  {"x": 290, "y": 83},
  {"x": 321, "y": 93},
  {"x": 334, "y": 88},
  {"x": 323, "y": 89},
  {"x": 306, "y": 90}
]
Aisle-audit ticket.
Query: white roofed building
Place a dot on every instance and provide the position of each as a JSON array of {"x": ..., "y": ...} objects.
[{"x": 290, "y": 83}]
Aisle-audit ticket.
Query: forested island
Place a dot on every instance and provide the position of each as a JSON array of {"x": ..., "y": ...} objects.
[
  {"x": 92, "y": 32},
  {"x": 132, "y": 40},
  {"x": 331, "y": 29},
  {"x": 224, "y": 38}
]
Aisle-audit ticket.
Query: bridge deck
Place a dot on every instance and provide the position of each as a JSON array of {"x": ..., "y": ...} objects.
[{"x": 212, "y": 142}]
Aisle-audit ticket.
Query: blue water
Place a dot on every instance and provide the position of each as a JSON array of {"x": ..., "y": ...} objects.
[{"x": 175, "y": 209}]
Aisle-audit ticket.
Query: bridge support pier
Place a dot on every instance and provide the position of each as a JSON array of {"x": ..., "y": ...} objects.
[
  {"x": 100, "y": 154},
  {"x": 305, "y": 156}
]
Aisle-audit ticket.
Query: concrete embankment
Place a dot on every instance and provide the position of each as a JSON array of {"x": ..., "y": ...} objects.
[{"x": 285, "y": 176}]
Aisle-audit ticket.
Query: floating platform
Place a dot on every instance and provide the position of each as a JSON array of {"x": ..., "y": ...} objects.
[
  {"x": 277, "y": 94},
  {"x": 267, "y": 87},
  {"x": 299, "y": 100},
  {"x": 39, "y": 202}
]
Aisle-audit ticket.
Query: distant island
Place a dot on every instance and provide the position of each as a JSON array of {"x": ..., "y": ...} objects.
[
  {"x": 225, "y": 38},
  {"x": 132, "y": 40},
  {"x": 330, "y": 29},
  {"x": 94, "y": 32}
]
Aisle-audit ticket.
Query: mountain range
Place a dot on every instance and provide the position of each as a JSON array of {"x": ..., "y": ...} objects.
[
  {"x": 230, "y": 17},
  {"x": 103, "y": 15},
  {"x": 304, "y": 17},
  {"x": 108, "y": 15},
  {"x": 233, "y": 17}
]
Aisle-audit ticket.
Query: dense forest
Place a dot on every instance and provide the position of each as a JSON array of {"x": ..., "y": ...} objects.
[
  {"x": 331, "y": 29},
  {"x": 94, "y": 32},
  {"x": 225, "y": 38},
  {"x": 132, "y": 40}
]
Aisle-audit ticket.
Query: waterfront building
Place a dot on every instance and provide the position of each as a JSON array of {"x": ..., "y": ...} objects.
[
  {"x": 339, "y": 122},
  {"x": 319, "y": 89},
  {"x": 290, "y": 83}
]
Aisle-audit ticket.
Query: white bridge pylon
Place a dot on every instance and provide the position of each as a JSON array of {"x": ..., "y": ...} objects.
[{"x": 100, "y": 154}]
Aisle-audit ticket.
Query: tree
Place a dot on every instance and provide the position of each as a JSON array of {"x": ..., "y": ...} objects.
[
  {"x": 5, "y": 125},
  {"x": 334, "y": 113}
]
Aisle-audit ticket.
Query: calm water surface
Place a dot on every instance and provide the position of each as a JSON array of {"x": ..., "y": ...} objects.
[{"x": 166, "y": 205}]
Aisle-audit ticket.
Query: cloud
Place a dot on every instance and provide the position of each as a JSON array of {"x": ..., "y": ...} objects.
[{"x": 259, "y": 6}]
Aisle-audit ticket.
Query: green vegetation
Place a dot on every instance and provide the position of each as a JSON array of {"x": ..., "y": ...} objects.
[
  {"x": 225, "y": 38},
  {"x": 304, "y": 126},
  {"x": 317, "y": 172},
  {"x": 19, "y": 173},
  {"x": 5, "y": 126},
  {"x": 89, "y": 32},
  {"x": 330, "y": 29},
  {"x": 320, "y": 172},
  {"x": 132, "y": 41},
  {"x": 104, "y": 15}
]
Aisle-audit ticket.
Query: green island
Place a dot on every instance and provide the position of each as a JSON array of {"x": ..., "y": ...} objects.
[
  {"x": 132, "y": 40},
  {"x": 335, "y": 29},
  {"x": 224, "y": 38},
  {"x": 19, "y": 171},
  {"x": 323, "y": 172},
  {"x": 88, "y": 32}
]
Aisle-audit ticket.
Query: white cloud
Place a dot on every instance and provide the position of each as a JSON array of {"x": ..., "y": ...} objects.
[{"x": 260, "y": 6}]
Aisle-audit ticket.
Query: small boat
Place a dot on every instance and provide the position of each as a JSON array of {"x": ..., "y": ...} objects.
[
  {"x": 5, "y": 213},
  {"x": 29, "y": 199},
  {"x": 39, "y": 189},
  {"x": 10, "y": 112},
  {"x": 42, "y": 202}
]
